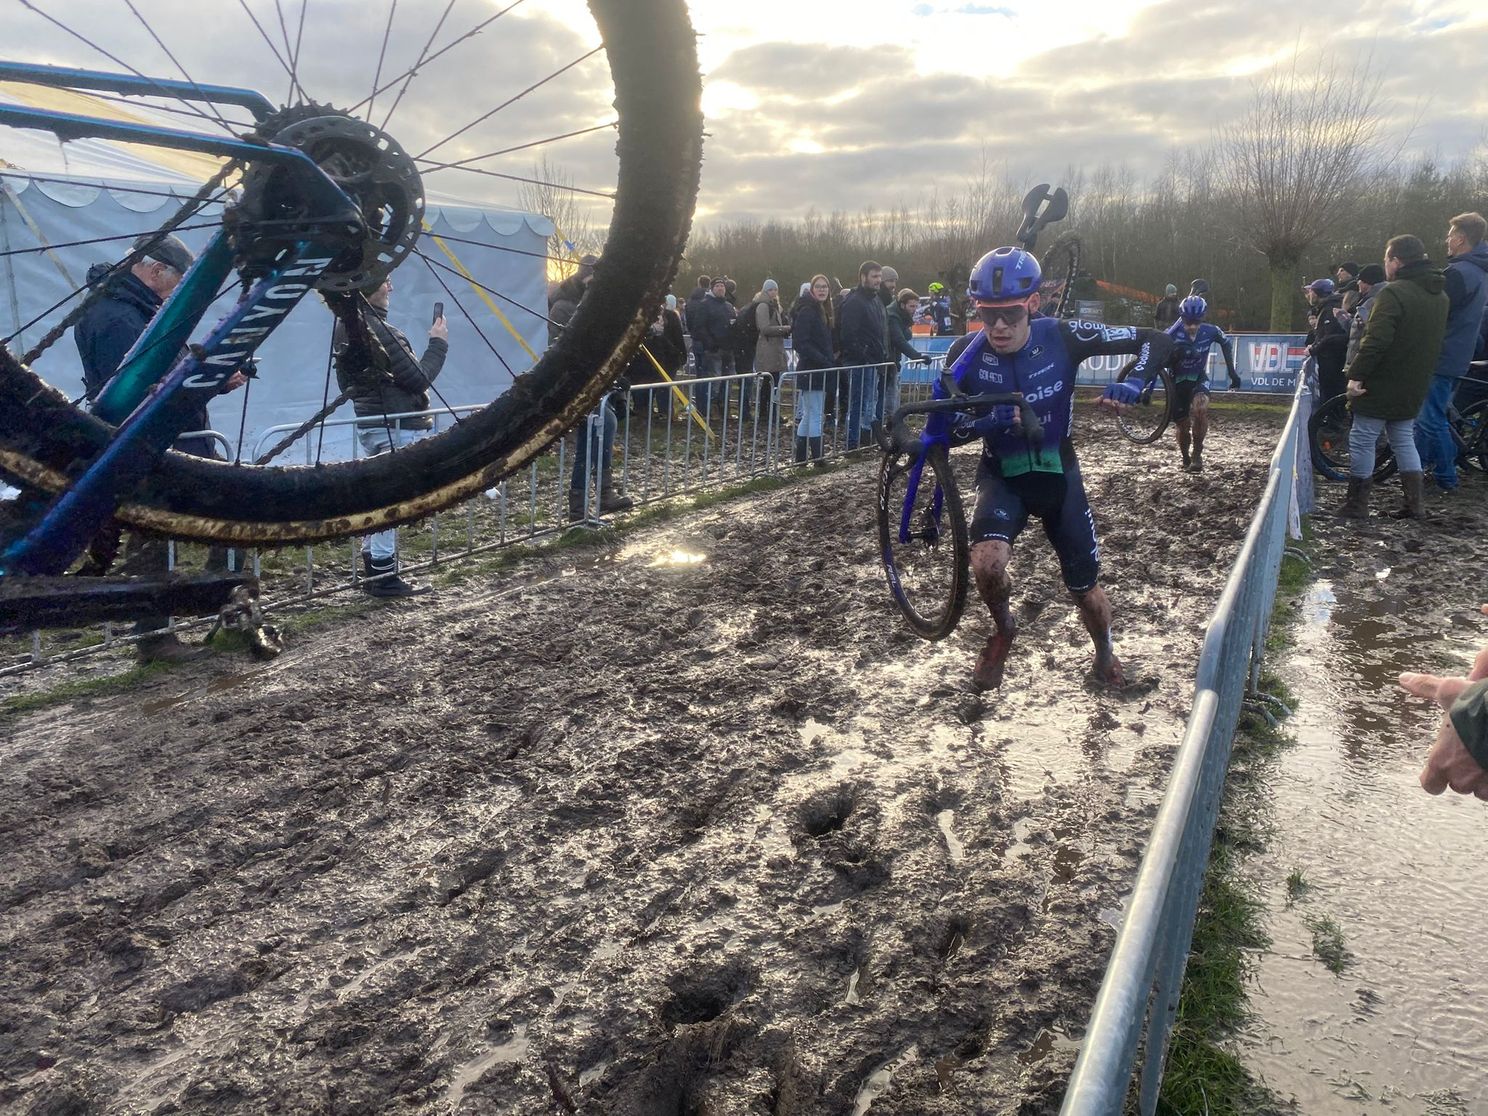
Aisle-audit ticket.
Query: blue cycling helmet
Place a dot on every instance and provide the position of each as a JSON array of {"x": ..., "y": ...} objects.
[
  {"x": 1004, "y": 274},
  {"x": 1193, "y": 308}
]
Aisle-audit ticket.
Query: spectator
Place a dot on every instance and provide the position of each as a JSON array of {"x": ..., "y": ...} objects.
[
  {"x": 1328, "y": 340},
  {"x": 888, "y": 287},
  {"x": 663, "y": 352},
  {"x": 567, "y": 295},
  {"x": 1467, "y": 294},
  {"x": 1346, "y": 286},
  {"x": 375, "y": 397},
  {"x": 694, "y": 300},
  {"x": 711, "y": 319},
  {"x": 901, "y": 317},
  {"x": 1459, "y": 754},
  {"x": 1391, "y": 372},
  {"x": 1165, "y": 313},
  {"x": 864, "y": 338},
  {"x": 773, "y": 327},
  {"x": 1371, "y": 278},
  {"x": 811, "y": 336},
  {"x": 104, "y": 335}
]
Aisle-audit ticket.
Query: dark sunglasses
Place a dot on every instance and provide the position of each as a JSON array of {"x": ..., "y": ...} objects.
[{"x": 1010, "y": 314}]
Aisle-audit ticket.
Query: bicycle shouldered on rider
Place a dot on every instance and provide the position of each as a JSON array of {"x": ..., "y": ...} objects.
[{"x": 1018, "y": 351}]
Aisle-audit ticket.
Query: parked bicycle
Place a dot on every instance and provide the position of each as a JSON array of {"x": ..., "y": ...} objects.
[
  {"x": 1330, "y": 425},
  {"x": 317, "y": 199}
]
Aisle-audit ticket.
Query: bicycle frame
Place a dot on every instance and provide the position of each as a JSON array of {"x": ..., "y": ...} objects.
[{"x": 156, "y": 392}]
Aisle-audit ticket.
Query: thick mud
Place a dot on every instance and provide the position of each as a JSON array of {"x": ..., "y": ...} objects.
[
  {"x": 1403, "y": 1028},
  {"x": 698, "y": 827}
]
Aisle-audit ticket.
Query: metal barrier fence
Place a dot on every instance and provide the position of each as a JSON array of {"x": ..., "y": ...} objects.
[
  {"x": 654, "y": 442},
  {"x": 1139, "y": 994}
]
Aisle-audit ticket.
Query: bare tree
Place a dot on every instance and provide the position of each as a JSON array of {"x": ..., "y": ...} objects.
[
  {"x": 553, "y": 196},
  {"x": 1294, "y": 163}
]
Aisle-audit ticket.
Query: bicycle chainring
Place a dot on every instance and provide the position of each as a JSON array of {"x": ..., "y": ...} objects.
[{"x": 366, "y": 163}]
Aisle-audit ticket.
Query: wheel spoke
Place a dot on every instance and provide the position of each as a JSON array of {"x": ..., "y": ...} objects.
[
  {"x": 520, "y": 178},
  {"x": 509, "y": 101},
  {"x": 264, "y": 35},
  {"x": 433, "y": 263},
  {"x": 100, "y": 240},
  {"x": 414, "y": 69},
  {"x": 497, "y": 247},
  {"x": 114, "y": 58},
  {"x": 382, "y": 56},
  {"x": 294, "y": 78},
  {"x": 523, "y": 146},
  {"x": 149, "y": 30},
  {"x": 409, "y": 74}
]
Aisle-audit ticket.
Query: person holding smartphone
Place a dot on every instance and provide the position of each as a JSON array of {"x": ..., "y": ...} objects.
[{"x": 392, "y": 411}]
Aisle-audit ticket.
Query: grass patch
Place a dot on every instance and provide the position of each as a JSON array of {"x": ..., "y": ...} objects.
[
  {"x": 1328, "y": 945},
  {"x": 1297, "y": 885},
  {"x": 1203, "y": 1074},
  {"x": 81, "y": 688}
]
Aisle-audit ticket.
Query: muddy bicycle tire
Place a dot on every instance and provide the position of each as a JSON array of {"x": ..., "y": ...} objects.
[
  {"x": 1472, "y": 428},
  {"x": 45, "y": 441},
  {"x": 1144, "y": 422},
  {"x": 1327, "y": 435},
  {"x": 929, "y": 573}
]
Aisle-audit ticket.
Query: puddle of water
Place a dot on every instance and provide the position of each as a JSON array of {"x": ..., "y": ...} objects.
[
  {"x": 679, "y": 557},
  {"x": 946, "y": 819},
  {"x": 879, "y": 1080},
  {"x": 852, "y": 987},
  {"x": 1399, "y": 871},
  {"x": 1018, "y": 839},
  {"x": 215, "y": 686},
  {"x": 1046, "y": 1042},
  {"x": 515, "y": 1049}
]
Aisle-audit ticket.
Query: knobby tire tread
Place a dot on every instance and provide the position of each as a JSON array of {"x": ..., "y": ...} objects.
[
  {"x": 1167, "y": 415},
  {"x": 953, "y": 516},
  {"x": 44, "y": 441}
]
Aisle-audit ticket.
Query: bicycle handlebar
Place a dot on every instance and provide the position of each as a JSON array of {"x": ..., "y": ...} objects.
[{"x": 898, "y": 439}]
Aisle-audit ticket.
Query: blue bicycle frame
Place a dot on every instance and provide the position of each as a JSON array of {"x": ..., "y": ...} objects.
[{"x": 157, "y": 391}]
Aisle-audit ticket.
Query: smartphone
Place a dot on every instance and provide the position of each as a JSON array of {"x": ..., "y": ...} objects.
[{"x": 438, "y": 312}]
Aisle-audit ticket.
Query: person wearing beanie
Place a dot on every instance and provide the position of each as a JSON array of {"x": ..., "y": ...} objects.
[
  {"x": 1165, "y": 313},
  {"x": 773, "y": 327},
  {"x": 1371, "y": 278}
]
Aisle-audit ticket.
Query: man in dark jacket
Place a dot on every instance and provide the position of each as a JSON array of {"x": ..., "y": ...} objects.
[
  {"x": 567, "y": 295},
  {"x": 1371, "y": 279},
  {"x": 1165, "y": 313},
  {"x": 1346, "y": 286},
  {"x": 382, "y": 403},
  {"x": 1327, "y": 342},
  {"x": 104, "y": 336},
  {"x": 864, "y": 341},
  {"x": 1467, "y": 293},
  {"x": 1391, "y": 372},
  {"x": 711, "y": 322}
]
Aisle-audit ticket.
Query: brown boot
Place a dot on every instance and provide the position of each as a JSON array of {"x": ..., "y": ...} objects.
[
  {"x": 1356, "y": 504},
  {"x": 1414, "y": 505}
]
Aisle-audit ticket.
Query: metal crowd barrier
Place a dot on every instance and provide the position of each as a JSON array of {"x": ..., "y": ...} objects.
[
  {"x": 1139, "y": 993},
  {"x": 665, "y": 440}
]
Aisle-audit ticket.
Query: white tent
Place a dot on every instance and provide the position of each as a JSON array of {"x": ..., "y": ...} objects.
[{"x": 113, "y": 190}]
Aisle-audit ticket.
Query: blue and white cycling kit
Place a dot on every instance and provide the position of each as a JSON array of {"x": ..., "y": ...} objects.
[
  {"x": 1016, "y": 479},
  {"x": 1190, "y": 359}
]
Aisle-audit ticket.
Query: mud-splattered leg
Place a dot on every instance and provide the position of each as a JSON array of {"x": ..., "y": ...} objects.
[
  {"x": 1095, "y": 614},
  {"x": 989, "y": 562}
]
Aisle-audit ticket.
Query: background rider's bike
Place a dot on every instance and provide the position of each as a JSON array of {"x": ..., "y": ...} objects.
[
  {"x": 1331, "y": 423},
  {"x": 326, "y": 200},
  {"x": 922, "y": 528},
  {"x": 1144, "y": 421}
]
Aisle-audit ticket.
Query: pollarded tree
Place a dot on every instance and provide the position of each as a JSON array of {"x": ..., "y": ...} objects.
[{"x": 1295, "y": 162}]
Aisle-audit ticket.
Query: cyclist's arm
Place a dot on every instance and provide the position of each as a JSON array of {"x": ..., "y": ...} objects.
[
  {"x": 1228, "y": 349},
  {"x": 1151, "y": 347},
  {"x": 1379, "y": 335}
]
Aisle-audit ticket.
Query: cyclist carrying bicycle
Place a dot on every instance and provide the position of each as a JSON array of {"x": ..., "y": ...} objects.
[
  {"x": 1015, "y": 351},
  {"x": 1192, "y": 339}
]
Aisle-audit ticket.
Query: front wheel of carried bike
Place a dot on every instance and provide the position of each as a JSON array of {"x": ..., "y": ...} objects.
[
  {"x": 922, "y": 537},
  {"x": 1328, "y": 430},
  {"x": 1144, "y": 421}
]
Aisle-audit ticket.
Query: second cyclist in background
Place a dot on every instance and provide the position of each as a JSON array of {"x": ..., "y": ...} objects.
[{"x": 1192, "y": 339}]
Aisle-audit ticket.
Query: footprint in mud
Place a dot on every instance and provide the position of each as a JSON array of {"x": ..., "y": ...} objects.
[
  {"x": 703, "y": 994},
  {"x": 828, "y": 812}
]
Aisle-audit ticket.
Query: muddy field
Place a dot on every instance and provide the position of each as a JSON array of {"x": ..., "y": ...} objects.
[{"x": 696, "y": 827}]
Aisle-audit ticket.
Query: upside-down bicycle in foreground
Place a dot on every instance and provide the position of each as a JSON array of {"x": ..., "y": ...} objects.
[{"x": 331, "y": 203}]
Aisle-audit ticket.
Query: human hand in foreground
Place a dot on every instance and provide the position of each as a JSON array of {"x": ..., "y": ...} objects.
[
  {"x": 1117, "y": 396},
  {"x": 1356, "y": 388},
  {"x": 1449, "y": 763}
]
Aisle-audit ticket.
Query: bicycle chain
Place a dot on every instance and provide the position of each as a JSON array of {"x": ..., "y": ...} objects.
[{"x": 192, "y": 206}]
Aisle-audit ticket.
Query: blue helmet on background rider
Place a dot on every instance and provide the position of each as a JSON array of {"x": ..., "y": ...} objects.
[
  {"x": 1192, "y": 309},
  {"x": 1004, "y": 275}
]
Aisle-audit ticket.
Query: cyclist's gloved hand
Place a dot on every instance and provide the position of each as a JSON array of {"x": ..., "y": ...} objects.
[
  {"x": 1000, "y": 419},
  {"x": 1235, "y": 384},
  {"x": 1125, "y": 393}
]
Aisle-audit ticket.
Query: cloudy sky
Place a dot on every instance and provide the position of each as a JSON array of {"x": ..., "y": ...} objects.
[{"x": 832, "y": 104}]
